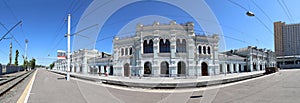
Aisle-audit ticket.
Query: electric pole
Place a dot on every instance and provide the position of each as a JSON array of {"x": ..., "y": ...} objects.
[
  {"x": 10, "y": 53},
  {"x": 26, "y": 42},
  {"x": 68, "y": 52}
]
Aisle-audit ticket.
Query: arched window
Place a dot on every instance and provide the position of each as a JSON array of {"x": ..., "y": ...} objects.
[
  {"x": 180, "y": 47},
  {"x": 147, "y": 68},
  {"x": 148, "y": 47},
  {"x": 145, "y": 46},
  {"x": 164, "y": 47},
  {"x": 183, "y": 45},
  {"x": 181, "y": 68},
  {"x": 204, "y": 50},
  {"x": 122, "y": 52},
  {"x": 164, "y": 68},
  {"x": 126, "y": 51},
  {"x": 167, "y": 46},
  {"x": 200, "y": 50},
  {"x": 130, "y": 51},
  {"x": 208, "y": 50}
]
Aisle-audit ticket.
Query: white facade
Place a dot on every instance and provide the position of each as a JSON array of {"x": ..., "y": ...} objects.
[
  {"x": 169, "y": 50},
  {"x": 79, "y": 60},
  {"x": 166, "y": 50},
  {"x": 101, "y": 64}
]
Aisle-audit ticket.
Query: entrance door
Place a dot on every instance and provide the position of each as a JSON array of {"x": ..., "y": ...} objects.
[
  {"x": 147, "y": 69},
  {"x": 126, "y": 70},
  {"x": 164, "y": 68},
  {"x": 181, "y": 69},
  {"x": 111, "y": 70},
  {"x": 204, "y": 69}
]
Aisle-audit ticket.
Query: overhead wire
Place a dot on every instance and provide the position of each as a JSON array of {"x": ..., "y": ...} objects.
[
  {"x": 17, "y": 19},
  {"x": 238, "y": 5},
  {"x": 97, "y": 8},
  {"x": 265, "y": 25},
  {"x": 12, "y": 36},
  {"x": 133, "y": 32},
  {"x": 262, "y": 10},
  {"x": 285, "y": 11},
  {"x": 14, "y": 15},
  {"x": 233, "y": 38},
  {"x": 61, "y": 26},
  {"x": 259, "y": 20}
]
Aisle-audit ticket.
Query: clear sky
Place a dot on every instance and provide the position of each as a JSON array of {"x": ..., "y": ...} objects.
[{"x": 44, "y": 25}]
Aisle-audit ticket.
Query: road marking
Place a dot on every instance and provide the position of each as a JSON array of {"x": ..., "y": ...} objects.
[{"x": 25, "y": 95}]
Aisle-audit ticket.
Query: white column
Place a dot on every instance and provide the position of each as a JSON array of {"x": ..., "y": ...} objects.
[{"x": 69, "y": 33}]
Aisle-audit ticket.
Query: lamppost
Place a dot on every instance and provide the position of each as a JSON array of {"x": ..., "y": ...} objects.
[{"x": 26, "y": 42}]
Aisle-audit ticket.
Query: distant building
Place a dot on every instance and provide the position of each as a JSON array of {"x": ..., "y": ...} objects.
[
  {"x": 60, "y": 64},
  {"x": 287, "y": 44},
  {"x": 247, "y": 59},
  {"x": 101, "y": 64},
  {"x": 79, "y": 60}
]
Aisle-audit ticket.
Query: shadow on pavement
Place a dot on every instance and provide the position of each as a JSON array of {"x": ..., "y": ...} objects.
[{"x": 62, "y": 78}]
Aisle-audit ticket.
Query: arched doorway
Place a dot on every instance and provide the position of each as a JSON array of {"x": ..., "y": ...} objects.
[
  {"x": 80, "y": 69},
  {"x": 204, "y": 69},
  {"x": 99, "y": 69},
  {"x": 181, "y": 68},
  {"x": 126, "y": 70},
  {"x": 228, "y": 68},
  {"x": 164, "y": 68},
  {"x": 234, "y": 68},
  {"x": 111, "y": 70},
  {"x": 260, "y": 67},
  {"x": 240, "y": 68},
  {"x": 254, "y": 67},
  {"x": 147, "y": 69}
]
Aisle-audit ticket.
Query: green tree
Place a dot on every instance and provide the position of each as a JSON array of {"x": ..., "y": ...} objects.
[
  {"x": 16, "y": 58},
  {"x": 25, "y": 64},
  {"x": 32, "y": 63},
  {"x": 51, "y": 65}
]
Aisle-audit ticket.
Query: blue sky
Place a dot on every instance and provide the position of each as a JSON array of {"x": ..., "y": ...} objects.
[{"x": 44, "y": 25}]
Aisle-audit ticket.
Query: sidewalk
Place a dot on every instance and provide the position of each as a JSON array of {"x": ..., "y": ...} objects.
[{"x": 168, "y": 82}]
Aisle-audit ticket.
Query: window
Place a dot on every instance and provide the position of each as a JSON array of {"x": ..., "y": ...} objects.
[
  {"x": 200, "y": 50},
  {"x": 221, "y": 68},
  {"x": 204, "y": 50},
  {"x": 126, "y": 51},
  {"x": 130, "y": 51},
  {"x": 148, "y": 47},
  {"x": 208, "y": 50},
  {"x": 122, "y": 52},
  {"x": 180, "y": 47},
  {"x": 183, "y": 45},
  {"x": 164, "y": 47},
  {"x": 178, "y": 44},
  {"x": 145, "y": 46}
]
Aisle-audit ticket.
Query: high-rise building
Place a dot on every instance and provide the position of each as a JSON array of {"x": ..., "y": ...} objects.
[{"x": 287, "y": 43}]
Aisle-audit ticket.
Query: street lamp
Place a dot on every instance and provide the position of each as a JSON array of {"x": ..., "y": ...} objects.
[{"x": 249, "y": 13}]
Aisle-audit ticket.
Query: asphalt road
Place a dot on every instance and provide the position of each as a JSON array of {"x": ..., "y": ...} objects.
[{"x": 283, "y": 87}]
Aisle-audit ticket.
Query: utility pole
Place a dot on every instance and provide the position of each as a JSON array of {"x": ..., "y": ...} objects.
[
  {"x": 10, "y": 53},
  {"x": 68, "y": 52},
  {"x": 26, "y": 42}
]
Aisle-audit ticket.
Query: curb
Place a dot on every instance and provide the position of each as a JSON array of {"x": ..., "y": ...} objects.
[{"x": 165, "y": 85}]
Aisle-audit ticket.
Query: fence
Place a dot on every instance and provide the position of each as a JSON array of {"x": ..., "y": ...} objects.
[{"x": 5, "y": 69}]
